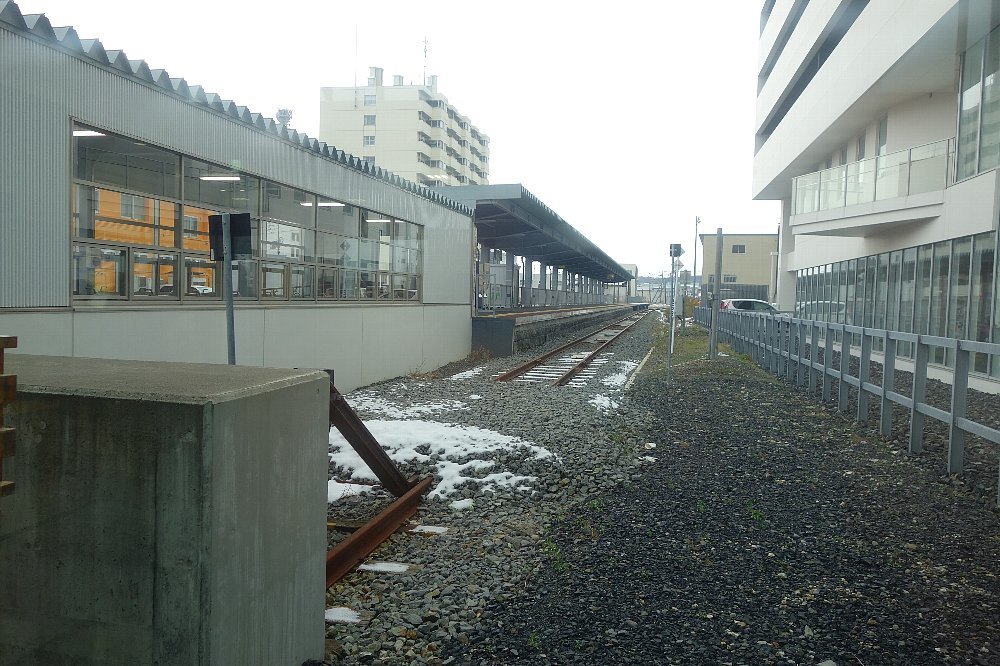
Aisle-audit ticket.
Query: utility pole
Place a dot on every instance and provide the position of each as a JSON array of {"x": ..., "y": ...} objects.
[
  {"x": 675, "y": 253},
  {"x": 716, "y": 300},
  {"x": 694, "y": 271}
]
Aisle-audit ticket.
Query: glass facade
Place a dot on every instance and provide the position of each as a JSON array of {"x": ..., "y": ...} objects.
[
  {"x": 979, "y": 108},
  {"x": 944, "y": 289},
  {"x": 140, "y": 233}
]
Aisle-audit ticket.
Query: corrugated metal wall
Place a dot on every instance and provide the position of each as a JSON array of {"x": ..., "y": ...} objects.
[{"x": 42, "y": 88}]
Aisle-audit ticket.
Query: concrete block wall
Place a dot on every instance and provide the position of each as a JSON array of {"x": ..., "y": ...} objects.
[{"x": 164, "y": 514}]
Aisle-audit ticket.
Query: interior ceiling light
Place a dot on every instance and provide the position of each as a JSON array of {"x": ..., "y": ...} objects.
[
  {"x": 219, "y": 178},
  {"x": 83, "y": 132}
]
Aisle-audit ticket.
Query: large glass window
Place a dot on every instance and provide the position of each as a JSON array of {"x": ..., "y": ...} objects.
[
  {"x": 337, "y": 217},
  {"x": 288, "y": 204},
  {"x": 375, "y": 256},
  {"x": 201, "y": 280},
  {"x": 968, "y": 117},
  {"x": 939, "y": 296},
  {"x": 337, "y": 250},
  {"x": 286, "y": 241},
  {"x": 989, "y": 145},
  {"x": 274, "y": 280},
  {"x": 981, "y": 294},
  {"x": 907, "y": 296},
  {"x": 99, "y": 271},
  {"x": 376, "y": 226},
  {"x": 120, "y": 162},
  {"x": 220, "y": 187},
  {"x": 154, "y": 274},
  {"x": 140, "y": 222},
  {"x": 122, "y": 218}
]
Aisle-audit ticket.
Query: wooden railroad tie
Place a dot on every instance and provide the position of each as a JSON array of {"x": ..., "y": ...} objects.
[{"x": 8, "y": 392}]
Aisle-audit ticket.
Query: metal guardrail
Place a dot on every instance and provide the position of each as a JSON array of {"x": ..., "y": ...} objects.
[{"x": 789, "y": 347}]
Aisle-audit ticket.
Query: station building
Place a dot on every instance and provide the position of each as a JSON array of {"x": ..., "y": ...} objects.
[
  {"x": 110, "y": 171},
  {"x": 878, "y": 128}
]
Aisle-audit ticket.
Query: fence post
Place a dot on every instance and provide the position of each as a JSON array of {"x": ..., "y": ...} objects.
[
  {"x": 845, "y": 370},
  {"x": 813, "y": 355},
  {"x": 959, "y": 398},
  {"x": 888, "y": 384},
  {"x": 864, "y": 374},
  {"x": 827, "y": 362},
  {"x": 918, "y": 394},
  {"x": 789, "y": 346},
  {"x": 800, "y": 375}
]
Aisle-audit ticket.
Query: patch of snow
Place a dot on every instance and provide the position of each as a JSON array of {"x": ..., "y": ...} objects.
[
  {"x": 468, "y": 374},
  {"x": 603, "y": 402},
  {"x": 475, "y": 397},
  {"x": 385, "y": 567},
  {"x": 648, "y": 458},
  {"x": 618, "y": 379},
  {"x": 367, "y": 402},
  {"x": 649, "y": 445},
  {"x": 459, "y": 449},
  {"x": 342, "y": 614},
  {"x": 335, "y": 490},
  {"x": 461, "y": 505},
  {"x": 429, "y": 529}
]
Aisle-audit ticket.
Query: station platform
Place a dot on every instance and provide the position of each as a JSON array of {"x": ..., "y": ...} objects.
[{"x": 512, "y": 330}]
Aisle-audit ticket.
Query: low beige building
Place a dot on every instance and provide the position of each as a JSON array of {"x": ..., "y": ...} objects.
[{"x": 748, "y": 265}]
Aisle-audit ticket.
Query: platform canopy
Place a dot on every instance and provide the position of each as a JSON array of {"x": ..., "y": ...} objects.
[{"x": 510, "y": 218}]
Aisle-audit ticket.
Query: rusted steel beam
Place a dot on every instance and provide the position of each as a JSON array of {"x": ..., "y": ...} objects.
[
  {"x": 347, "y": 421},
  {"x": 8, "y": 391},
  {"x": 350, "y": 552},
  {"x": 535, "y": 362}
]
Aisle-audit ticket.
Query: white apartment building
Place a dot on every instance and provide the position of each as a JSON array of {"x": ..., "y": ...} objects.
[
  {"x": 878, "y": 128},
  {"x": 410, "y": 130}
]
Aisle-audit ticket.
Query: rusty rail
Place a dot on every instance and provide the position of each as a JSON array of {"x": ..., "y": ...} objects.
[
  {"x": 8, "y": 391},
  {"x": 350, "y": 552},
  {"x": 576, "y": 369},
  {"x": 537, "y": 361}
]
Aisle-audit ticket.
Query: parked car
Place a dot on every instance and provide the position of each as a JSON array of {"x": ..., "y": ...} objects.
[
  {"x": 821, "y": 310},
  {"x": 747, "y": 304}
]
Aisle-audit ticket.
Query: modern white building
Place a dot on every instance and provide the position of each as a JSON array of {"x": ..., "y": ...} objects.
[
  {"x": 410, "y": 130},
  {"x": 109, "y": 173},
  {"x": 878, "y": 128}
]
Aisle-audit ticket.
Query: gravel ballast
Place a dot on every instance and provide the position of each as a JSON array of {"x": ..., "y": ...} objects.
[{"x": 763, "y": 527}]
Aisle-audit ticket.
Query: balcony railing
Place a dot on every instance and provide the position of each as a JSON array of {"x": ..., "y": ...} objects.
[{"x": 926, "y": 168}]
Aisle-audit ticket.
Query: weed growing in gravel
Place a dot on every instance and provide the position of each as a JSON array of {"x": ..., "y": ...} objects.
[
  {"x": 701, "y": 506},
  {"x": 479, "y": 355},
  {"x": 552, "y": 550},
  {"x": 534, "y": 641},
  {"x": 596, "y": 504},
  {"x": 756, "y": 514}
]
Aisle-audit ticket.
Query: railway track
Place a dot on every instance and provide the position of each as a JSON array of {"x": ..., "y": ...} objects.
[{"x": 574, "y": 362}]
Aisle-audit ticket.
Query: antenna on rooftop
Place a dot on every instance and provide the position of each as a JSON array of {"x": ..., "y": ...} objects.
[{"x": 425, "y": 60}]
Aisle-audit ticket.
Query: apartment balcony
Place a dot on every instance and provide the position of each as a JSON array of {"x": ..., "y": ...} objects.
[{"x": 871, "y": 195}]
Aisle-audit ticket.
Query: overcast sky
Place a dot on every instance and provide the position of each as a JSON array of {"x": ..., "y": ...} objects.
[{"x": 627, "y": 118}]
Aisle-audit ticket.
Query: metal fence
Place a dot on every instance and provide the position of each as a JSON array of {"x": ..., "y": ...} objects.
[{"x": 803, "y": 352}]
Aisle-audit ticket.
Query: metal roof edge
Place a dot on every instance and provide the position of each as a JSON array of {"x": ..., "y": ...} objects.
[{"x": 38, "y": 26}]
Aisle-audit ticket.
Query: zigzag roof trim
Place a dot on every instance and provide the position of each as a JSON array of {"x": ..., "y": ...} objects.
[{"x": 66, "y": 37}]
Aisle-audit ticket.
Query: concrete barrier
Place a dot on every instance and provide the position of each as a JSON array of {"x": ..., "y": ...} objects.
[{"x": 165, "y": 514}]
